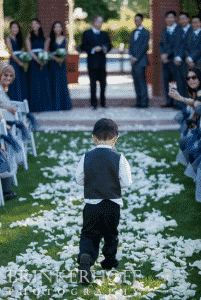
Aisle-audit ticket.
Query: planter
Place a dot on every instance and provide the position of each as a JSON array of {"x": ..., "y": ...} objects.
[{"x": 72, "y": 68}]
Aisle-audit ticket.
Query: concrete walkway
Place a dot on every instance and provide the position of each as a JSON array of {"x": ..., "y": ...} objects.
[
  {"x": 120, "y": 96},
  {"x": 127, "y": 119}
]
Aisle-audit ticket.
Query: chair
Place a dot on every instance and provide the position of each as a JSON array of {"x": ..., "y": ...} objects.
[
  {"x": 23, "y": 110},
  {"x": 11, "y": 161},
  {"x": 22, "y": 157}
]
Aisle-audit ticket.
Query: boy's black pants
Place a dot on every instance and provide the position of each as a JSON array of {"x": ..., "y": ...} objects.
[{"x": 100, "y": 220}]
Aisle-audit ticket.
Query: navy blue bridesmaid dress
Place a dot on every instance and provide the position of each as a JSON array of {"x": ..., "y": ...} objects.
[
  {"x": 39, "y": 86},
  {"x": 62, "y": 100},
  {"x": 18, "y": 89}
]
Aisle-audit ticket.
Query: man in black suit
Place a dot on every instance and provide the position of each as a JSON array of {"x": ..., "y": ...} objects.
[
  {"x": 96, "y": 43},
  {"x": 168, "y": 45},
  {"x": 179, "y": 59},
  {"x": 139, "y": 40},
  {"x": 193, "y": 44}
]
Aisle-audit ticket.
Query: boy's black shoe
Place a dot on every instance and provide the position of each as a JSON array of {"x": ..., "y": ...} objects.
[
  {"x": 9, "y": 196},
  {"x": 84, "y": 269},
  {"x": 109, "y": 263}
]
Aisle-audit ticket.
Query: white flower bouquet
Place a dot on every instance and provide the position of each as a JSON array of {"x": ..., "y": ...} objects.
[
  {"x": 43, "y": 57},
  {"x": 61, "y": 53},
  {"x": 25, "y": 57}
]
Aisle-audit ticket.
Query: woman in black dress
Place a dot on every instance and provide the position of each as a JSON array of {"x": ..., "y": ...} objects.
[
  {"x": 57, "y": 68},
  {"x": 39, "y": 86},
  {"x": 18, "y": 89}
]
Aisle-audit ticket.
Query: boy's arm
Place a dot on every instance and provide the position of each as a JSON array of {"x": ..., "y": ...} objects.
[
  {"x": 124, "y": 172},
  {"x": 79, "y": 175}
]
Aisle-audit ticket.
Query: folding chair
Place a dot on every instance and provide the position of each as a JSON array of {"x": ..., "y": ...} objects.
[
  {"x": 23, "y": 109},
  {"x": 22, "y": 157},
  {"x": 11, "y": 161}
]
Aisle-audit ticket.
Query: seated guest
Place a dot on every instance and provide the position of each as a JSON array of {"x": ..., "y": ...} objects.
[
  {"x": 6, "y": 182},
  {"x": 190, "y": 143},
  {"x": 7, "y": 76}
]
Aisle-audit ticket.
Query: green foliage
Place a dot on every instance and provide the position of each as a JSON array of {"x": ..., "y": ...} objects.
[
  {"x": 23, "y": 11},
  {"x": 192, "y": 7},
  {"x": 11, "y": 7},
  {"x": 94, "y": 7}
]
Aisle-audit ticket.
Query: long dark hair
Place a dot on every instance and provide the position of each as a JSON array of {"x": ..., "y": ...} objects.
[
  {"x": 52, "y": 35},
  {"x": 19, "y": 35},
  {"x": 191, "y": 92},
  {"x": 40, "y": 32}
]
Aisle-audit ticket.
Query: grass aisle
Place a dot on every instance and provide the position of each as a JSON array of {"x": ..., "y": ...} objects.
[{"x": 159, "y": 232}]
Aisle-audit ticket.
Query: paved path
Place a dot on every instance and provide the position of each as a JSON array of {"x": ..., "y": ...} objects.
[
  {"x": 127, "y": 118},
  {"x": 120, "y": 95}
]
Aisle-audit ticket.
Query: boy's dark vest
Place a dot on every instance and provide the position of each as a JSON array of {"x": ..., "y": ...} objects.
[{"x": 101, "y": 174}]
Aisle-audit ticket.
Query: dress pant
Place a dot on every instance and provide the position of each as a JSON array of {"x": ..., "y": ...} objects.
[
  {"x": 98, "y": 74},
  {"x": 140, "y": 84},
  {"x": 100, "y": 220},
  {"x": 6, "y": 184},
  {"x": 169, "y": 71}
]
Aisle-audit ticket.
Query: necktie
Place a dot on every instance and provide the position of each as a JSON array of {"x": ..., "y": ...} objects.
[
  {"x": 137, "y": 33},
  {"x": 183, "y": 34},
  {"x": 194, "y": 36}
]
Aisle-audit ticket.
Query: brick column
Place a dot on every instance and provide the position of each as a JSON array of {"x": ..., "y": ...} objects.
[
  {"x": 50, "y": 11},
  {"x": 159, "y": 8}
]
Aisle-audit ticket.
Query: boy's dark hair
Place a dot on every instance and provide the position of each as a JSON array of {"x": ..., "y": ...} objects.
[
  {"x": 171, "y": 12},
  {"x": 196, "y": 17},
  {"x": 140, "y": 15},
  {"x": 184, "y": 13},
  {"x": 105, "y": 129}
]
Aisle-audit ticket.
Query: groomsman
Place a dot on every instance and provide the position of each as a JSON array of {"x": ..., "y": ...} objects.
[
  {"x": 179, "y": 59},
  {"x": 96, "y": 43},
  {"x": 168, "y": 45},
  {"x": 139, "y": 40},
  {"x": 193, "y": 44}
]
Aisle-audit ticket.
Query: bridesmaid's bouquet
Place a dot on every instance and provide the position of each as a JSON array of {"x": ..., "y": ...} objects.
[
  {"x": 43, "y": 57},
  {"x": 61, "y": 53},
  {"x": 25, "y": 57}
]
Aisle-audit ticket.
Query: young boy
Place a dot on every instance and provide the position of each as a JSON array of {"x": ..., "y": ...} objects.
[{"x": 103, "y": 173}]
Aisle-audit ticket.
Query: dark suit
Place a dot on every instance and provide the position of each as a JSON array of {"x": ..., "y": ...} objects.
[
  {"x": 182, "y": 85},
  {"x": 96, "y": 62},
  {"x": 168, "y": 45},
  {"x": 193, "y": 48},
  {"x": 138, "y": 49}
]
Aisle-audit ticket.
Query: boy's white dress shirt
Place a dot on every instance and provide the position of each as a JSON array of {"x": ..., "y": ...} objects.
[{"x": 124, "y": 176}]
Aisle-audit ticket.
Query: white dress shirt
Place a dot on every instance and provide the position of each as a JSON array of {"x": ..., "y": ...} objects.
[
  {"x": 185, "y": 29},
  {"x": 196, "y": 32},
  {"x": 171, "y": 29},
  {"x": 124, "y": 176}
]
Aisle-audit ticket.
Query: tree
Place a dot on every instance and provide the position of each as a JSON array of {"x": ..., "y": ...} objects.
[
  {"x": 22, "y": 11},
  {"x": 101, "y": 7}
]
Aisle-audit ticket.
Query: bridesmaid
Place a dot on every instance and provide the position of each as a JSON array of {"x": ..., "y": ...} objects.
[
  {"x": 18, "y": 89},
  {"x": 62, "y": 100},
  {"x": 39, "y": 86}
]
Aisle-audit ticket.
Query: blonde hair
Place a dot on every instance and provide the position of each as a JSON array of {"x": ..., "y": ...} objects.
[{"x": 6, "y": 68}]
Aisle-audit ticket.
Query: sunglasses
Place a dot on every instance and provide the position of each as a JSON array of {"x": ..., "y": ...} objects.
[{"x": 192, "y": 77}]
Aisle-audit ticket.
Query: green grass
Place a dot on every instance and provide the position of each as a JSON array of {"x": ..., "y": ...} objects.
[{"x": 182, "y": 208}]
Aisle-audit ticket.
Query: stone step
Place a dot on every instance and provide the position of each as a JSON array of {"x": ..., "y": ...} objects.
[{"x": 130, "y": 119}]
